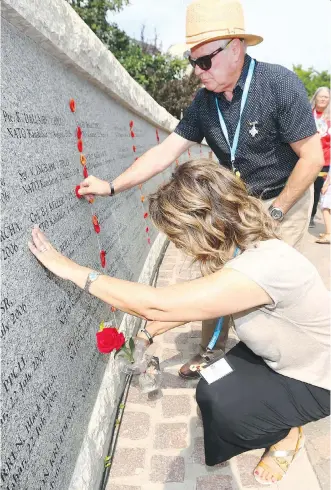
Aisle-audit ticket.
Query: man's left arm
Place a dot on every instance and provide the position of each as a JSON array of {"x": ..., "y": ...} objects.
[{"x": 311, "y": 160}]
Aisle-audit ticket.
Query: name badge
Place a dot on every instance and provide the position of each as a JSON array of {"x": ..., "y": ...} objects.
[{"x": 215, "y": 371}]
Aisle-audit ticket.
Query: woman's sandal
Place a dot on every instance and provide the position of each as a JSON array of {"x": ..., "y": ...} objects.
[
  {"x": 284, "y": 459},
  {"x": 323, "y": 240}
]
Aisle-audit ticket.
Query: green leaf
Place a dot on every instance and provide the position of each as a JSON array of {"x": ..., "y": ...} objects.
[{"x": 131, "y": 344}]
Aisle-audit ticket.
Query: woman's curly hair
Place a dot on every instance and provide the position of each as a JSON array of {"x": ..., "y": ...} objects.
[{"x": 205, "y": 211}]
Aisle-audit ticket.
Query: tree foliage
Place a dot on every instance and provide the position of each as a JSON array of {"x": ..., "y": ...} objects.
[
  {"x": 312, "y": 79},
  {"x": 161, "y": 75}
]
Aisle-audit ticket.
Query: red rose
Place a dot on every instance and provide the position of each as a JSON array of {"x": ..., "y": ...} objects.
[{"x": 109, "y": 339}]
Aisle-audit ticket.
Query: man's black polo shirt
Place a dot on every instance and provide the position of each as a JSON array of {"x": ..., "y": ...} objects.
[{"x": 278, "y": 101}]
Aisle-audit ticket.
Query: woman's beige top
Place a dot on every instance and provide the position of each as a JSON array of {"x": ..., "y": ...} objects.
[{"x": 293, "y": 334}]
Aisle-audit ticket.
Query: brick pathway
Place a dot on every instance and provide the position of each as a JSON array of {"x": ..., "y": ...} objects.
[{"x": 160, "y": 446}]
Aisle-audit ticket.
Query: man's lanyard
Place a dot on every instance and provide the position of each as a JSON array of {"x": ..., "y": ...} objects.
[
  {"x": 234, "y": 146},
  {"x": 220, "y": 322}
]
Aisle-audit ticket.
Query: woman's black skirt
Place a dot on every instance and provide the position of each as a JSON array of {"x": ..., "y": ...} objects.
[{"x": 254, "y": 407}]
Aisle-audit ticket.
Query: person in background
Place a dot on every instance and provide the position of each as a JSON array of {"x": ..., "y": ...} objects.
[
  {"x": 320, "y": 103},
  {"x": 326, "y": 210}
]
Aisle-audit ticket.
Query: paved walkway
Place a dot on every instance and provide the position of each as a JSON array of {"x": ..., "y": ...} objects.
[{"x": 160, "y": 446}]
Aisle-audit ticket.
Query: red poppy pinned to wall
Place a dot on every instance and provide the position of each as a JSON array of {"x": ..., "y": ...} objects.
[
  {"x": 146, "y": 215},
  {"x": 142, "y": 198},
  {"x": 132, "y": 134},
  {"x": 80, "y": 146},
  {"x": 76, "y": 192},
  {"x": 140, "y": 186},
  {"x": 82, "y": 159},
  {"x": 131, "y": 124},
  {"x": 134, "y": 148},
  {"x": 113, "y": 309},
  {"x": 157, "y": 136},
  {"x": 177, "y": 163},
  {"x": 79, "y": 132},
  {"x": 90, "y": 199},
  {"x": 103, "y": 258},
  {"x": 148, "y": 241},
  {"x": 136, "y": 159},
  {"x": 95, "y": 222},
  {"x": 85, "y": 173},
  {"x": 72, "y": 105},
  {"x": 147, "y": 229}
]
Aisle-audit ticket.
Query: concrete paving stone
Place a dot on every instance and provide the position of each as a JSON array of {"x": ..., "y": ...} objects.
[
  {"x": 167, "y": 469},
  {"x": 318, "y": 428},
  {"x": 178, "y": 338},
  {"x": 215, "y": 482},
  {"x": 171, "y": 436},
  {"x": 128, "y": 462},
  {"x": 172, "y": 380},
  {"x": 122, "y": 487},
  {"x": 171, "y": 356},
  {"x": 198, "y": 454},
  {"x": 135, "y": 425},
  {"x": 135, "y": 396},
  {"x": 176, "y": 405},
  {"x": 196, "y": 330},
  {"x": 322, "y": 471},
  {"x": 246, "y": 463},
  {"x": 322, "y": 445}
]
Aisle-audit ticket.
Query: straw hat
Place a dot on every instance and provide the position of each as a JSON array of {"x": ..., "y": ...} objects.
[{"x": 209, "y": 20}]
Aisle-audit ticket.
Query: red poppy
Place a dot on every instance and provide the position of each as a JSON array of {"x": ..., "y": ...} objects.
[
  {"x": 134, "y": 148},
  {"x": 131, "y": 124},
  {"x": 90, "y": 199},
  {"x": 146, "y": 215},
  {"x": 136, "y": 158},
  {"x": 142, "y": 198},
  {"x": 96, "y": 225},
  {"x": 72, "y": 105},
  {"x": 103, "y": 258},
  {"x": 140, "y": 186},
  {"x": 109, "y": 339},
  {"x": 113, "y": 309},
  {"x": 149, "y": 241},
  {"x": 80, "y": 146},
  {"x": 79, "y": 132},
  {"x": 132, "y": 134},
  {"x": 85, "y": 172},
  {"x": 76, "y": 192},
  {"x": 147, "y": 229},
  {"x": 82, "y": 159}
]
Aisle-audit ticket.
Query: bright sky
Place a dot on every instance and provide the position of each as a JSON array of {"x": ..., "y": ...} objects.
[{"x": 294, "y": 31}]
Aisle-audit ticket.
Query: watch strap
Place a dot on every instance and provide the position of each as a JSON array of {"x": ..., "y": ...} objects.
[
  {"x": 92, "y": 276},
  {"x": 112, "y": 189}
]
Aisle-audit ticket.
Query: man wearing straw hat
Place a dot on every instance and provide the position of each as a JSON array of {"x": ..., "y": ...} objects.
[{"x": 256, "y": 118}]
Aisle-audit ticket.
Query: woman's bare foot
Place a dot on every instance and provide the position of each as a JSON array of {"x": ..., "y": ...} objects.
[{"x": 270, "y": 475}]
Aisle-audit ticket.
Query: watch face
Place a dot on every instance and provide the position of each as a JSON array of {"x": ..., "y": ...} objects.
[
  {"x": 276, "y": 213},
  {"x": 93, "y": 276}
]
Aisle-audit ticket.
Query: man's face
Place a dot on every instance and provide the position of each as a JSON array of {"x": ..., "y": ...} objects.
[{"x": 218, "y": 77}]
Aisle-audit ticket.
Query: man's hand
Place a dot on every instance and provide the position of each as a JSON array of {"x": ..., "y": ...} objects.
[{"x": 94, "y": 186}]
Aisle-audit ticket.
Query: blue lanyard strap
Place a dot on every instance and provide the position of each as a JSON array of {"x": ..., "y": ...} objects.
[
  {"x": 234, "y": 146},
  {"x": 219, "y": 324}
]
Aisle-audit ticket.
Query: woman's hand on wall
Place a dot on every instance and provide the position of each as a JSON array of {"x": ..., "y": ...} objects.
[
  {"x": 49, "y": 257},
  {"x": 94, "y": 186}
]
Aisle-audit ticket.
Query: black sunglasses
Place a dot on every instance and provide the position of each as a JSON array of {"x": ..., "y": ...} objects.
[{"x": 204, "y": 62}]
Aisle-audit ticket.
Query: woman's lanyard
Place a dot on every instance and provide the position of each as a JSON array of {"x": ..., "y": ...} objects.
[
  {"x": 220, "y": 322},
  {"x": 234, "y": 146}
]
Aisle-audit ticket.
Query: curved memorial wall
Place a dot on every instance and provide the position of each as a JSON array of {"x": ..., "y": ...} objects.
[{"x": 58, "y": 391}]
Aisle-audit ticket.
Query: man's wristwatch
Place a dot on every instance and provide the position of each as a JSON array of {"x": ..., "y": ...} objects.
[
  {"x": 276, "y": 213},
  {"x": 148, "y": 335},
  {"x": 112, "y": 189},
  {"x": 93, "y": 276}
]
